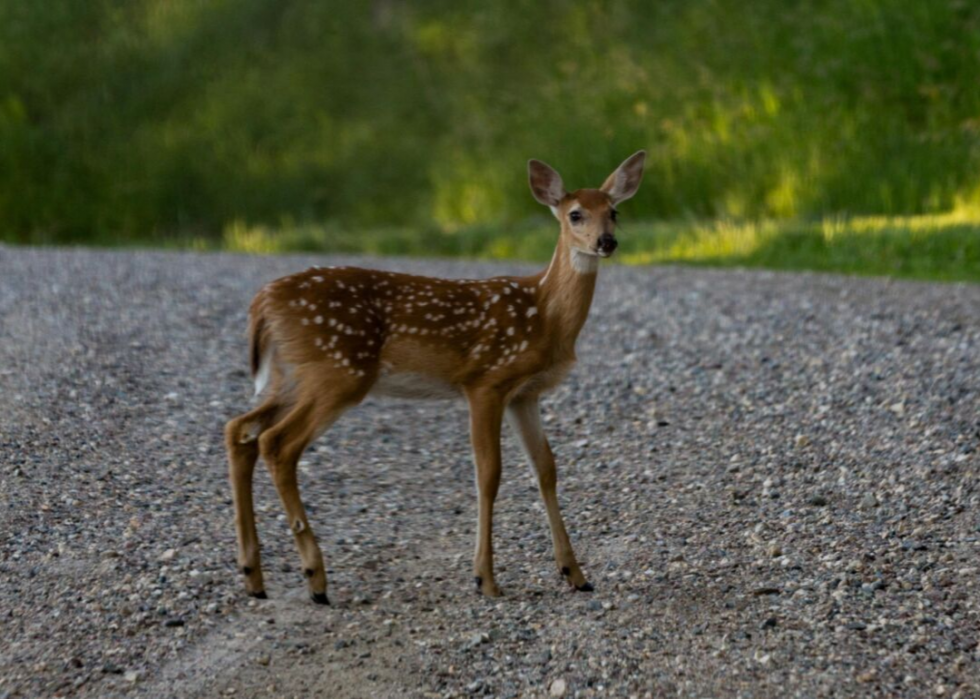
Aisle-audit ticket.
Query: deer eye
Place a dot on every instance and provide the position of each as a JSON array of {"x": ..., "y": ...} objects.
[
  {"x": 575, "y": 216},
  {"x": 613, "y": 213}
]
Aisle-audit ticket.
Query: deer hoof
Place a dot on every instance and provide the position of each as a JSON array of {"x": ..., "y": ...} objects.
[
  {"x": 585, "y": 587},
  {"x": 487, "y": 590},
  {"x": 320, "y": 598},
  {"x": 259, "y": 595}
]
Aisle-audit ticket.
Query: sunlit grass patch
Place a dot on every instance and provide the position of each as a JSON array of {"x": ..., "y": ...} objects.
[
  {"x": 944, "y": 247},
  {"x": 696, "y": 242},
  {"x": 940, "y": 247}
]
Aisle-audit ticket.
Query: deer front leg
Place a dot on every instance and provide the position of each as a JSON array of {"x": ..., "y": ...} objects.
[
  {"x": 486, "y": 413},
  {"x": 524, "y": 416}
]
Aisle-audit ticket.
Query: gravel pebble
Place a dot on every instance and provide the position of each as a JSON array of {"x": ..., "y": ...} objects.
[{"x": 734, "y": 447}]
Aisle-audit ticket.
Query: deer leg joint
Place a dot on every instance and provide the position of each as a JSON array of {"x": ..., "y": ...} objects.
[{"x": 248, "y": 433}]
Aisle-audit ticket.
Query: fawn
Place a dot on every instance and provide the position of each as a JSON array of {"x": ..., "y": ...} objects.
[{"x": 324, "y": 339}]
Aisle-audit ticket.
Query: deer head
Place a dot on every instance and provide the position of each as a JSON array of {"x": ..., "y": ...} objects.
[{"x": 587, "y": 216}]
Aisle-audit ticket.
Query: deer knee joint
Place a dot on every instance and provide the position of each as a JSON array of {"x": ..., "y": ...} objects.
[
  {"x": 298, "y": 526},
  {"x": 248, "y": 433}
]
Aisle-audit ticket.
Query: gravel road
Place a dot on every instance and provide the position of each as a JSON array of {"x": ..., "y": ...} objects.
[{"x": 771, "y": 479}]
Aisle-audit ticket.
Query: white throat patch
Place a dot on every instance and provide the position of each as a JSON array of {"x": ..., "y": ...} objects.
[{"x": 583, "y": 262}]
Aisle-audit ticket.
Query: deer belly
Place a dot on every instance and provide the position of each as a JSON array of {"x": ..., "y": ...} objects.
[
  {"x": 544, "y": 381},
  {"x": 415, "y": 385}
]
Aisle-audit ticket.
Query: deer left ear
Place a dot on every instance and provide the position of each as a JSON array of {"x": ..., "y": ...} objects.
[{"x": 624, "y": 182}]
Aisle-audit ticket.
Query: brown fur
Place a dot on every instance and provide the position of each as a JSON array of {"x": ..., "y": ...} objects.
[{"x": 330, "y": 336}]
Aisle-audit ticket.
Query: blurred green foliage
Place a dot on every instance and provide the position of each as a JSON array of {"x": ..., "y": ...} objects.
[{"x": 151, "y": 120}]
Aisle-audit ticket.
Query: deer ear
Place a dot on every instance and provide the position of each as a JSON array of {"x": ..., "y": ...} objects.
[
  {"x": 624, "y": 182},
  {"x": 546, "y": 184}
]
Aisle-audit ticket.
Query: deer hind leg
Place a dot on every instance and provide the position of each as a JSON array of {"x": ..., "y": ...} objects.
[
  {"x": 486, "y": 413},
  {"x": 525, "y": 417},
  {"x": 281, "y": 447},
  {"x": 241, "y": 441}
]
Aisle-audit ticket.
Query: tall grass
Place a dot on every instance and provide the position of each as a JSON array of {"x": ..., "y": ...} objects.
[{"x": 140, "y": 120}]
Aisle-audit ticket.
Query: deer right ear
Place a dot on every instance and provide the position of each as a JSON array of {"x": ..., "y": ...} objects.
[{"x": 546, "y": 184}]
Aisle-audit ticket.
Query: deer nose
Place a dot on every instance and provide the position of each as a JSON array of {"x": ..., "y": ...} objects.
[{"x": 607, "y": 243}]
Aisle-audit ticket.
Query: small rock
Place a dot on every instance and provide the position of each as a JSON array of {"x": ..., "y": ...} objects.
[
  {"x": 263, "y": 660},
  {"x": 478, "y": 639},
  {"x": 868, "y": 501},
  {"x": 770, "y": 623},
  {"x": 173, "y": 623},
  {"x": 818, "y": 501},
  {"x": 558, "y": 688},
  {"x": 855, "y": 566},
  {"x": 133, "y": 676},
  {"x": 167, "y": 555}
]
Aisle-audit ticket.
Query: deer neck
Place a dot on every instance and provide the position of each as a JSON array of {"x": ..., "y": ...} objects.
[{"x": 565, "y": 292}]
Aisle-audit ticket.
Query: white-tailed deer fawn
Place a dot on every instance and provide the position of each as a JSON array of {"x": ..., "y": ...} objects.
[{"x": 323, "y": 339}]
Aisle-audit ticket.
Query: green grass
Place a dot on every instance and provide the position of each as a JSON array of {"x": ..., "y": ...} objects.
[
  {"x": 833, "y": 135},
  {"x": 133, "y": 119},
  {"x": 935, "y": 247}
]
